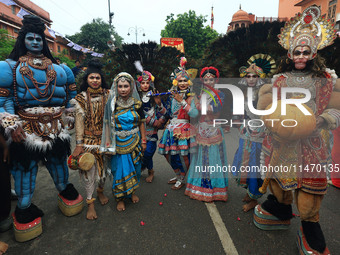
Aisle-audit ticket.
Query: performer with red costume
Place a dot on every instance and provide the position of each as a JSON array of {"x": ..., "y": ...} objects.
[
  {"x": 206, "y": 185},
  {"x": 302, "y": 68}
]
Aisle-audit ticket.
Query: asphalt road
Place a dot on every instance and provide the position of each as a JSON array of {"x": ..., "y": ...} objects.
[{"x": 179, "y": 226}]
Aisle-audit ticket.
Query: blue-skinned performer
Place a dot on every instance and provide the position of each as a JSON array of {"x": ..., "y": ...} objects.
[
  {"x": 154, "y": 119},
  {"x": 35, "y": 112}
]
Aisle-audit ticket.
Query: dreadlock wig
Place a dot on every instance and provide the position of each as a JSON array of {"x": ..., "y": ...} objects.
[{"x": 31, "y": 24}]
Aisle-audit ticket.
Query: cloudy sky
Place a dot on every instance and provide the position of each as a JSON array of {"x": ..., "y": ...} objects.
[{"x": 69, "y": 15}]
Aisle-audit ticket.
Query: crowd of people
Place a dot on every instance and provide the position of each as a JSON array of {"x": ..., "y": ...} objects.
[{"x": 117, "y": 127}]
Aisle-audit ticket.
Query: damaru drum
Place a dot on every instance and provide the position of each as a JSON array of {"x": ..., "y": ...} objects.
[{"x": 83, "y": 161}]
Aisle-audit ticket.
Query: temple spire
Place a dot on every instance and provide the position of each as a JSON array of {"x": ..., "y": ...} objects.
[{"x": 240, "y": 6}]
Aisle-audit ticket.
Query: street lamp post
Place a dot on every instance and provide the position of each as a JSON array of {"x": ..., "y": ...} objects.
[
  {"x": 110, "y": 14},
  {"x": 110, "y": 43},
  {"x": 136, "y": 30}
]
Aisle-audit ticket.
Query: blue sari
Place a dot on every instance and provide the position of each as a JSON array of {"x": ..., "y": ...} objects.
[{"x": 126, "y": 163}]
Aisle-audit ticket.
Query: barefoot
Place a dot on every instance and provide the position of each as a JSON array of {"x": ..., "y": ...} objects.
[
  {"x": 91, "y": 212},
  {"x": 149, "y": 179},
  {"x": 246, "y": 198},
  {"x": 250, "y": 205},
  {"x": 134, "y": 199},
  {"x": 3, "y": 247},
  {"x": 121, "y": 206},
  {"x": 102, "y": 198}
]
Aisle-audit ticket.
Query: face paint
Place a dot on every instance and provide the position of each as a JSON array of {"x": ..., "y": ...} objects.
[
  {"x": 34, "y": 43},
  {"x": 94, "y": 80},
  {"x": 301, "y": 55},
  {"x": 183, "y": 83},
  {"x": 251, "y": 79}
]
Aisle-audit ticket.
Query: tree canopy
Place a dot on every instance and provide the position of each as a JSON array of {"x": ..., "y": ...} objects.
[
  {"x": 6, "y": 44},
  {"x": 64, "y": 59},
  {"x": 191, "y": 28},
  {"x": 96, "y": 34}
]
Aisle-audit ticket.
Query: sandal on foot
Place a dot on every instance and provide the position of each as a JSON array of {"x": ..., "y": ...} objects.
[
  {"x": 172, "y": 180},
  {"x": 178, "y": 185}
]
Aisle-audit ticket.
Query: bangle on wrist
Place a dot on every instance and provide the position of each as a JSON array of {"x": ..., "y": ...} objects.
[
  {"x": 143, "y": 140},
  {"x": 79, "y": 142},
  {"x": 184, "y": 103}
]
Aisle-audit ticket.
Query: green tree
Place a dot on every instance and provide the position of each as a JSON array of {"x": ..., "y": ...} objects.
[
  {"x": 6, "y": 44},
  {"x": 64, "y": 59},
  {"x": 191, "y": 28},
  {"x": 95, "y": 35}
]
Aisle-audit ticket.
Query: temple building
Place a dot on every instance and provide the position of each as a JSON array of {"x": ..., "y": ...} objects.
[{"x": 243, "y": 19}]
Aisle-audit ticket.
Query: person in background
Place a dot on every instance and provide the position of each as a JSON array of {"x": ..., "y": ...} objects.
[
  {"x": 76, "y": 69},
  {"x": 154, "y": 119},
  {"x": 5, "y": 191},
  {"x": 250, "y": 142},
  {"x": 335, "y": 173}
]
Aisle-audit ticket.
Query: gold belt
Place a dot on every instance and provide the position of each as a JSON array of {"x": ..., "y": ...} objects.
[{"x": 34, "y": 121}]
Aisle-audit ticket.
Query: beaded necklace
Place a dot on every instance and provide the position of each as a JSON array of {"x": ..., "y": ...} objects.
[
  {"x": 90, "y": 91},
  {"x": 38, "y": 62}
]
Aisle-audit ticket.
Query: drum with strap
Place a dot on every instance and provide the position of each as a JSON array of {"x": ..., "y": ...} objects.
[{"x": 83, "y": 161}]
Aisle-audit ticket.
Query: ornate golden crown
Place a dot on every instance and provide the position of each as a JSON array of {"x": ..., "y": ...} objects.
[{"x": 307, "y": 29}]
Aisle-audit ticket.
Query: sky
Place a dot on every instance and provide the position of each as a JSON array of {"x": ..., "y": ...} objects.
[{"x": 147, "y": 15}]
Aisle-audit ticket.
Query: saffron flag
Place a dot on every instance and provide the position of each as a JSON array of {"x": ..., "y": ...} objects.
[{"x": 212, "y": 17}]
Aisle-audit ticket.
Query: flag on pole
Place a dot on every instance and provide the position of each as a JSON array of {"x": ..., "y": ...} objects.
[
  {"x": 8, "y": 2},
  {"x": 22, "y": 13},
  {"x": 212, "y": 17}
]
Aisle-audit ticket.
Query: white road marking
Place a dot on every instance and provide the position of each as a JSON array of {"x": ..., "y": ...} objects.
[{"x": 221, "y": 229}]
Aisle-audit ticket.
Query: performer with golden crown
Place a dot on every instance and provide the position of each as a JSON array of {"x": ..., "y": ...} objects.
[
  {"x": 302, "y": 68},
  {"x": 178, "y": 139}
]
